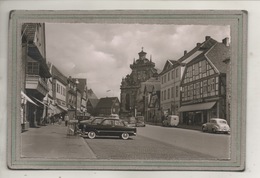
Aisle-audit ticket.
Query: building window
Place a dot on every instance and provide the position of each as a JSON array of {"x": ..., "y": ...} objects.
[
  {"x": 33, "y": 68},
  {"x": 204, "y": 88},
  {"x": 164, "y": 95},
  {"x": 168, "y": 93},
  {"x": 57, "y": 88},
  {"x": 172, "y": 91},
  {"x": 168, "y": 76},
  {"x": 165, "y": 78},
  {"x": 177, "y": 91},
  {"x": 203, "y": 67},
  {"x": 177, "y": 72},
  {"x": 172, "y": 74}
]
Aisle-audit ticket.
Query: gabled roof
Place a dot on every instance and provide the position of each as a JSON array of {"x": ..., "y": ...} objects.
[
  {"x": 56, "y": 73},
  {"x": 93, "y": 102},
  {"x": 81, "y": 85},
  {"x": 91, "y": 94},
  {"x": 198, "y": 49},
  {"x": 217, "y": 55},
  {"x": 107, "y": 102}
]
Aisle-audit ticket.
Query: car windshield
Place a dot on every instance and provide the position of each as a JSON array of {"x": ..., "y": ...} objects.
[
  {"x": 97, "y": 121},
  {"x": 222, "y": 122},
  {"x": 140, "y": 118}
]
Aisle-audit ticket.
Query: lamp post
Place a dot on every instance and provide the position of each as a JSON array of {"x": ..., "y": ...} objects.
[{"x": 76, "y": 82}]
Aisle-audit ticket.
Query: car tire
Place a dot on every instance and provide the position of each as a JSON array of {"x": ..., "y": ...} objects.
[
  {"x": 125, "y": 136},
  {"x": 214, "y": 130},
  {"x": 204, "y": 129},
  {"x": 91, "y": 134}
]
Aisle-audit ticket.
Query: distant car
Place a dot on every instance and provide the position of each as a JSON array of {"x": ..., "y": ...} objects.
[
  {"x": 109, "y": 127},
  {"x": 114, "y": 116},
  {"x": 216, "y": 125},
  {"x": 139, "y": 121},
  {"x": 171, "y": 120},
  {"x": 131, "y": 122}
]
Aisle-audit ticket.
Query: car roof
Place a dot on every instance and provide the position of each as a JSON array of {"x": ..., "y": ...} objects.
[{"x": 219, "y": 119}]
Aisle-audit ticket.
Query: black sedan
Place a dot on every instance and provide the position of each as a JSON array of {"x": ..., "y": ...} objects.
[{"x": 109, "y": 127}]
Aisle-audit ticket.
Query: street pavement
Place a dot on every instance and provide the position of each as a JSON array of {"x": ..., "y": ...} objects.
[
  {"x": 52, "y": 142},
  {"x": 216, "y": 145}
]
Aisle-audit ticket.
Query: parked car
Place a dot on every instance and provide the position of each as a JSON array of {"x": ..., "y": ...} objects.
[
  {"x": 216, "y": 125},
  {"x": 131, "y": 122},
  {"x": 114, "y": 116},
  {"x": 109, "y": 127},
  {"x": 171, "y": 120},
  {"x": 91, "y": 121},
  {"x": 139, "y": 121}
]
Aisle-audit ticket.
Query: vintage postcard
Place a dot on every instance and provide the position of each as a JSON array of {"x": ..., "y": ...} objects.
[{"x": 127, "y": 90}]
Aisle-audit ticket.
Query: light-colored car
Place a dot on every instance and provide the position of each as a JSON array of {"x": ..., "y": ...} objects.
[
  {"x": 216, "y": 125},
  {"x": 171, "y": 120}
]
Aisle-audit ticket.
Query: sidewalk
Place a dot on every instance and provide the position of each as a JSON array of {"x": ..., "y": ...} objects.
[{"x": 52, "y": 142}]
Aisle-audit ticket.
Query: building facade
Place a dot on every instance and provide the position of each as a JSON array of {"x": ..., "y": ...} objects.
[
  {"x": 142, "y": 70},
  {"x": 204, "y": 85},
  {"x": 71, "y": 97},
  {"x": 152, "y": 110},
  {"x": 170, "y": 79},
  {"x": 34, "y": 79},
  {"x": 82, "y": 87},
  {"x": 59, "y": 91},
  {"x": 107, "y": 106}
]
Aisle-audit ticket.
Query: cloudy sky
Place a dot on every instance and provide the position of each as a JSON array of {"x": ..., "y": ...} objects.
[{"x": 102, "y": 53}]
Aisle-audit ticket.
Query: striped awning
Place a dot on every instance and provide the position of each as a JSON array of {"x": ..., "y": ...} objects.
[
  {"x": 27, "y": 98},
  {"x": 197, "y": 107}
]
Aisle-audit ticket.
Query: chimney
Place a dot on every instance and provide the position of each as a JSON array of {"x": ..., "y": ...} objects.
[
  {"x": 185, "y": 52},
  {"x": 225, "y": 41},
  {"x": 198, "y": 44},
  {"x": 207, "y": 38}
]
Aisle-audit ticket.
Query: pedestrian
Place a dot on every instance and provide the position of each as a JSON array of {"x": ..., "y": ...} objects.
[
  {"x": 52, "y": 119},
  {"x": 66, "y": 119},
  {"x": 60, "y": 120}
]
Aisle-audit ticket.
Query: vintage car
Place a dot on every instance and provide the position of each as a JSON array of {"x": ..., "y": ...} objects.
[
  {"x": 109, "y": 127},
  {"x": 91, "y": 121},
  {"x": 171, "y": 120},
  {"x": 216, "y": 125}
]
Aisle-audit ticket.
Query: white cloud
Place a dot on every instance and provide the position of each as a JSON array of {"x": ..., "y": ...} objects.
[{"x": 102, "y": 53}]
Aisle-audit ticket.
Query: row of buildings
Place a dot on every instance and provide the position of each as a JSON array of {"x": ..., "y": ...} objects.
[
  {"x": 46, "y": 91},
  {"x": 195, "y": 86}
]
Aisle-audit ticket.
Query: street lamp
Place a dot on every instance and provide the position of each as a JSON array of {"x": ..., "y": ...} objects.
[{"x": 76, "y": 82}]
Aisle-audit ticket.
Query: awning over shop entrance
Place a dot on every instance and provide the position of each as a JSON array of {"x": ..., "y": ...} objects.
[
  {"x": 197, "y": 107},
  {"x": 63, "y": 108},
  {"x": 24, "y": 96},
  {"x": 40, "y": 101}
]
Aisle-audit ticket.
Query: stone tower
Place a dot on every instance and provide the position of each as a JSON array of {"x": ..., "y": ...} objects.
[{"x": 142, "y": 70}]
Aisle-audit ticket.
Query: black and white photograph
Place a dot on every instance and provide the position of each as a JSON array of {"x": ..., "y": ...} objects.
[{"x": 126, "y": 93}]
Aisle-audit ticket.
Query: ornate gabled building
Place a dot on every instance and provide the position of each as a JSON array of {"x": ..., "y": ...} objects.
[
  {"x": 204, "y": 85},
  {"x": 142, "y": 70}
]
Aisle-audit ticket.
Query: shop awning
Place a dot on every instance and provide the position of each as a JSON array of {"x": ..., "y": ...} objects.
[
  {"x": 197, "y": 107},
  {"x": 62, "y": 107},
  {"x": 23, "y": 95},
  {"x": 39, "y": 101}
]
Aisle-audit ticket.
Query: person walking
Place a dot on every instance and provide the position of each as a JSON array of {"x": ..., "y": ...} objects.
[
  {"x": 60, "y": 120},
  {"x": 66, "y": 119},
  {"x": 52, "y": 119}
]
